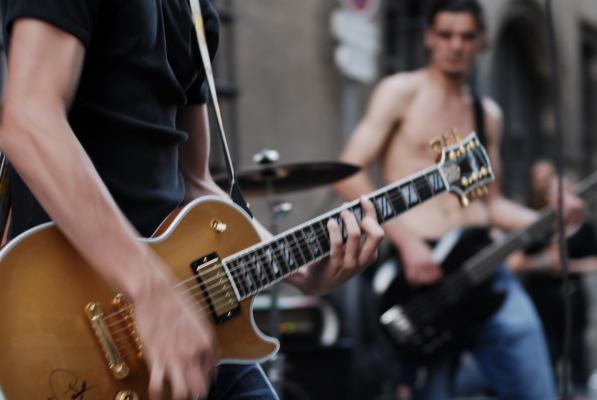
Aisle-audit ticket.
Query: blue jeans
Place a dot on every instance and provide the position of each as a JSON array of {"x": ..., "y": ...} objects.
[
  {"x": 509, "y": 348},
  {"x": 241, "y": 382}
]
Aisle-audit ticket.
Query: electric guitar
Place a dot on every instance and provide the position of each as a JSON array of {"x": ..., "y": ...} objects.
[
  {"x": 425, "y": 321},
  {"x": 66, "y": 334}
]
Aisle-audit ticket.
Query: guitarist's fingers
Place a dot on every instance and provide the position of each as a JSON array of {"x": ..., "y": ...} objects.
[
  {"x": 197, "y": 380},
  {"x": 335, "y": 243},
  {"x": 373, "y": 232},
  {"x": 353, "y": 241},
  {"x": 178, "y": 385},
  {"x": 156, "y": 381}
]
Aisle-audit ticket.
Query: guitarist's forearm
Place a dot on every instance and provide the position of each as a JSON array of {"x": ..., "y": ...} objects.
[
  {"x": 508, "y": 215},
  {"x": 54, "y": 166}
]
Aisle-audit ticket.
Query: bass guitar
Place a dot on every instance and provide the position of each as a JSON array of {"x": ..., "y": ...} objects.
[
  {"x": 425, "y": 321},
  {"x": 66, "y": 334}
]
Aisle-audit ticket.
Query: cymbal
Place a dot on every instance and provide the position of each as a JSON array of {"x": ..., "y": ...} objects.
[{"x": 291, "y": 177}]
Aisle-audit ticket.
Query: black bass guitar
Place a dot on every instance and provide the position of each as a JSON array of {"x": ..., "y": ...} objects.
[{"x": 425, "y": 321}]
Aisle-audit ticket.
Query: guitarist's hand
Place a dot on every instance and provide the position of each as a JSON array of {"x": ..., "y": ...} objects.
[
  {"x": 178, "y": 343},
  {"x": 574, "y": 206},
  {"x": 419, "y": 267},
  {"x": 345, "y": 260}
]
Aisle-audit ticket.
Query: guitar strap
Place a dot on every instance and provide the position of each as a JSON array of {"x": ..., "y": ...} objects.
[
  {"x": 235, "y": 192},
  {"x": 479, "y": 115}
]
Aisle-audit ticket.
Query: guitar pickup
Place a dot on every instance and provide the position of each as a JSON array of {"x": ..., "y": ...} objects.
[
  {"x": 215, "y": 287},
  {"x": 396, "y": 321}
]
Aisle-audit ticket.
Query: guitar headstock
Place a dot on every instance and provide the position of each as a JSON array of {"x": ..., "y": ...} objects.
[{"x": 465, "y": 165}]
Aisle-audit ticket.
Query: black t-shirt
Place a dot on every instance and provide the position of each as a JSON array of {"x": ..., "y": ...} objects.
[{"x": 142, "y": 63}]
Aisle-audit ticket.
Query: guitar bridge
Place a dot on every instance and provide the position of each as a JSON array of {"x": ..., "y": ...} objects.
[
  {"x": 215, "y": 287},
  {"x": 116, "y": 363},
  {"x": 116, "y": 337}
]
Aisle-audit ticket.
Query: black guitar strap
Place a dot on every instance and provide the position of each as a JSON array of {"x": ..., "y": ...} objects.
[{"x": 479, "y": 115}]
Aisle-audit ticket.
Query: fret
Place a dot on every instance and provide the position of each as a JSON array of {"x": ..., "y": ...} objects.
[
  {"x": 301, "y": 239},
  {"x": 383, "y": 207},
  {"x": 409, "y": 195},
  {"x": 310, "y": 243},
  {"x": 246, "y": 276},
  {"x": 315, "y": 235},
  {"x": 436, "y": 183},
  {"x": 271, "y": 262},
  {"x": 397, "y": 201},
  {"x": 261, "y": 272},
  {"x": 323, "y": 236},
  {"x": 290, "y": 259},
  {"x": 295, "y": 249},
  {"x": 423, "y": 188},
  {"x": 284, "y": 256},
  {"x": 357, "y": 210},
  {"x": 234, "y": 269}
]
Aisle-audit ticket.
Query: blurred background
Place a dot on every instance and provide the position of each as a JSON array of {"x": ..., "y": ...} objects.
[{"x": 295, "y": 76}]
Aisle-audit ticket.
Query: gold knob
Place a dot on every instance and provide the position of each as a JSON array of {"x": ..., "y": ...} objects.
[
  {"x": 484, "y": 172},
  {"x": 452, "y": 155},
  {"x": 126, "y": 395},
  {"x": 219, "y": 226},
  {"x": 464, "y": 181},
  {"x": 456, "y": 135}
]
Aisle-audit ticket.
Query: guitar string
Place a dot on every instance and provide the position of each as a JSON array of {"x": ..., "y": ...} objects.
[
  {"x": 320, "y": 235},
  {"x": 392, "y": 194}
]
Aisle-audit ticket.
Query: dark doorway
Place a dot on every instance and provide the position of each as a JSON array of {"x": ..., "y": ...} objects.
[
  {"x": 589, "y": 97},
  {"x": 520, "y": 87}
]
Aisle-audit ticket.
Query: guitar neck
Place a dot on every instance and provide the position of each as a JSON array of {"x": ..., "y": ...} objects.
[
  {"x": 262, "y": 265},
  {"x": 487, "y": 261}
]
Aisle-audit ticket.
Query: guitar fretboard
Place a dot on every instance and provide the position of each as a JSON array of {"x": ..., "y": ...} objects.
[{"x": 260, "y": 266}]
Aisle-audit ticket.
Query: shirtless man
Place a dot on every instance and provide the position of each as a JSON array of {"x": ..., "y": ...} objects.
[{"x": 407, "y": 111}]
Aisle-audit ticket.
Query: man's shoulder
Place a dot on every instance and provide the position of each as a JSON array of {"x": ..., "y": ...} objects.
[
  {"x": 491, "y": 108},
  {"x": 401, "y": 86}
]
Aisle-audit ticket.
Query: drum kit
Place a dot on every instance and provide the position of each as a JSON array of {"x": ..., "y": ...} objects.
[{"x": 269, "y": 179}]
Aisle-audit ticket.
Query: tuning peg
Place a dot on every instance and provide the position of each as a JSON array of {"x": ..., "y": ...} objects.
[
  {"x": 445, "y": 140},
  {"x": 464, "y": 182},
  {"x": 456, "y": 135},
  {"x": 483, "y": 172},
  {"x": 464, "y": 201},
  {"x": 436, "y": 145},
  {"x": 479, "y": 192},
  {"x": 452, "y": 155}
]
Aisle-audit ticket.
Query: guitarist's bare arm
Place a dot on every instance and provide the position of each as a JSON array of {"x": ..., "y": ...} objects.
[
  {"x": 507, "y": 214},
  {"x": 36, "y": 137},
  {"x": 386, "y": 110}
]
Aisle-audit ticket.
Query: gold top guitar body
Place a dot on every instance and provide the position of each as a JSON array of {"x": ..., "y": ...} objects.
[{"x": 47, "y": 343}]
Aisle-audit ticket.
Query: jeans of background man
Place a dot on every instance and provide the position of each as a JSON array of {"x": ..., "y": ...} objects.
[
  {"x": 241, "y": 382},
  {"x": 509, "y": 348}
]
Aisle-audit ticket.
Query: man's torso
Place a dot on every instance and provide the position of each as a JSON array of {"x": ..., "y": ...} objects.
[
  {"x": 141, "y": 65},
  {"x": 429, "y": 113}
]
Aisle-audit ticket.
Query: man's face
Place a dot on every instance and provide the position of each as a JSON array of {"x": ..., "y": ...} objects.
[{"x": 453, "y": 41}]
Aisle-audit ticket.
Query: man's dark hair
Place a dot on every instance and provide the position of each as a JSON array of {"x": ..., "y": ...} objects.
[{"x": 470, "y": 6}]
